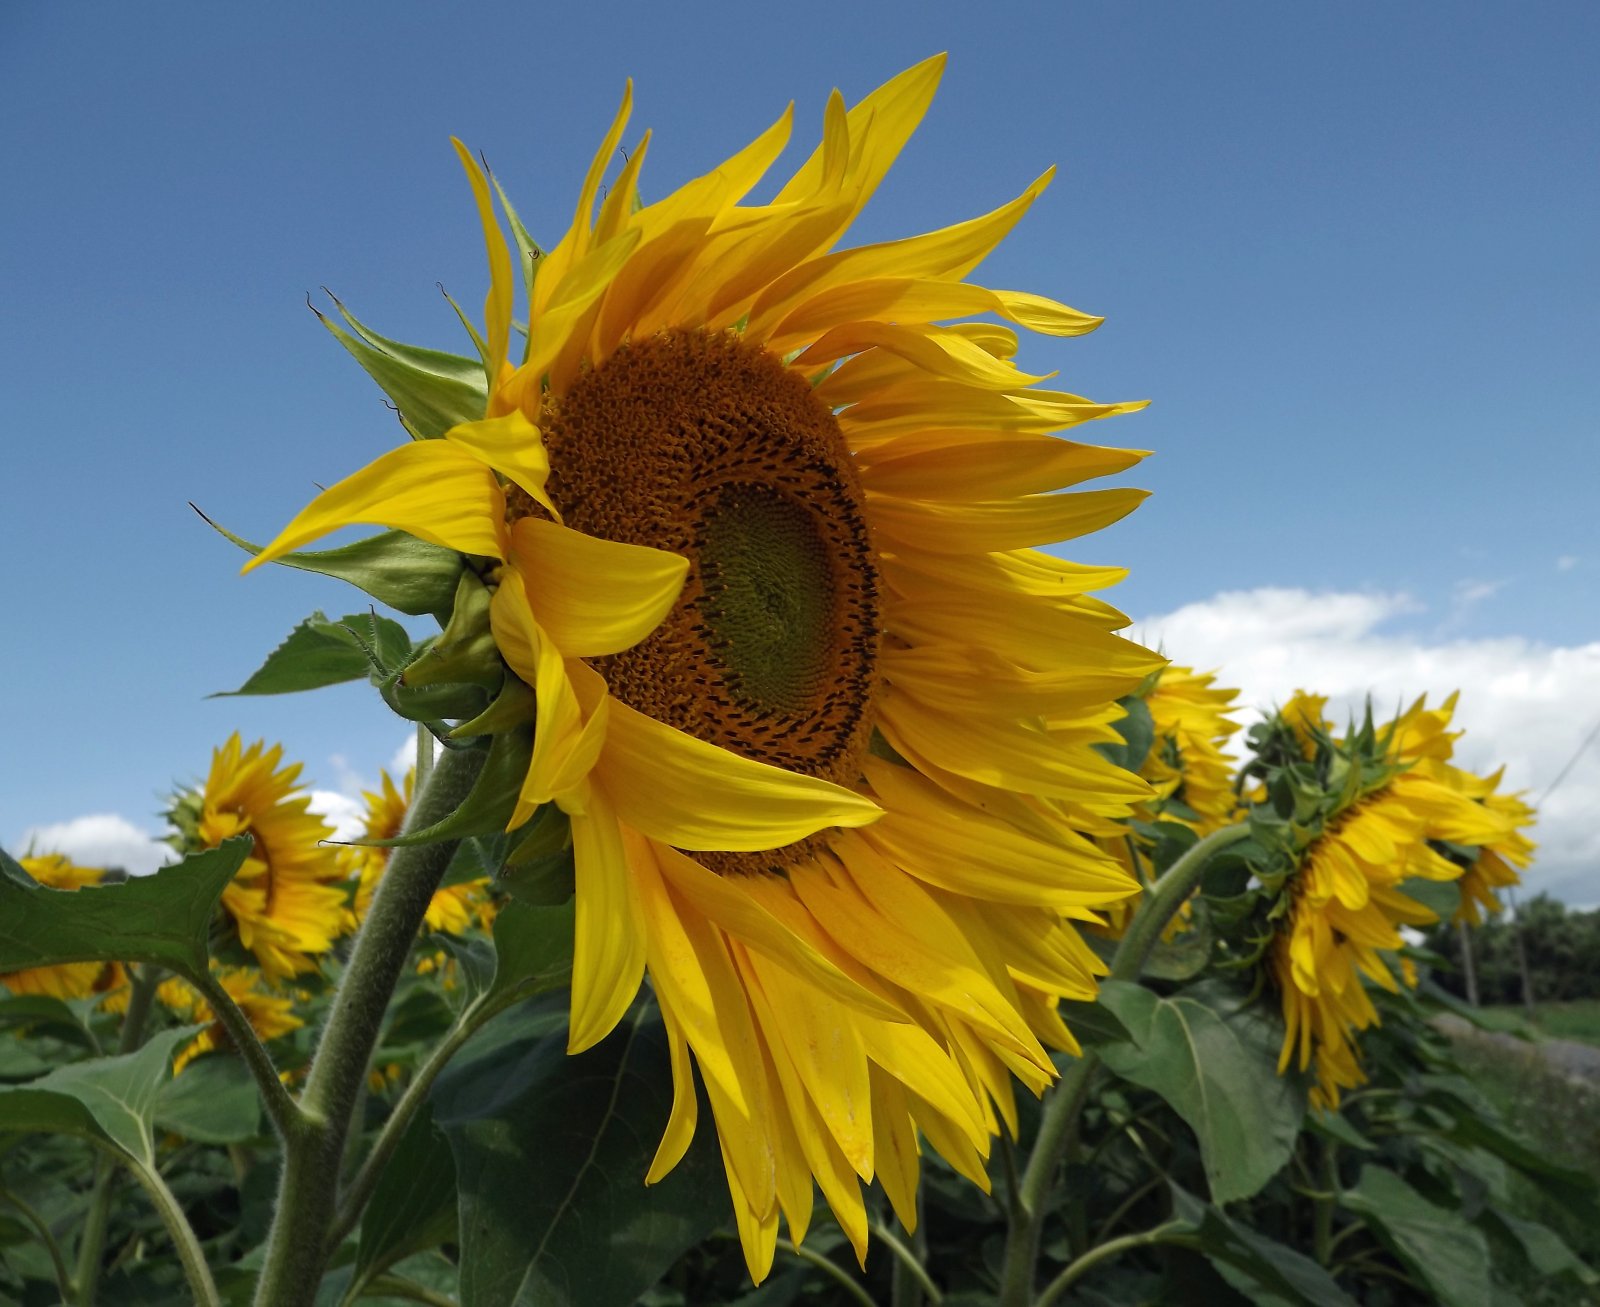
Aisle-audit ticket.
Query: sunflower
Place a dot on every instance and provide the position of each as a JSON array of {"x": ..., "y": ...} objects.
[
  {"x": 269, "y": 1015},
  {"x": 452, "y": 909},
  {"x": 761, "y": 538},
  {"x": 65, "y": 979},
  {"x": 1499, "y": 864},
  {"x": 1347, "y": 905},
  {"x": 285, "y": 901}
]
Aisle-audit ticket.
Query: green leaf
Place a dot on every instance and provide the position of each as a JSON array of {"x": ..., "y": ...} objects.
[
  {"x": 107, "y": 1098},
  {"x": 1336, "y": 1126},
  {"x": 1265, "y": 1271},
  {"x": 1442, "y": 897},
  {"x": 1546, "y": 1251},
  {"x": 551, "y": 1153},
  {"x": 1138, "y": 733},
  {"x": 532, "y": 948},
  {"x": 425, "y": 385},
  {"x": 1437, "y": 1244},
  {"x": 1094, "y": 1024},
  {"x": 162, "y": 918},
  {"x": 409, "y": 575},
  {"x": 213, "y": 1101},
  {"x": 1217, "y": 1074},
  {"x": 414, "y": 1206},
  {"x": 316, "y": 653},
  {"x": 1184, "y": 955},
  {"x": 43, "y": 1012}
]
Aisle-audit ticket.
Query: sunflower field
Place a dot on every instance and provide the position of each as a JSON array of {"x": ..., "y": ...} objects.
[{"x": 785, "y": 820}]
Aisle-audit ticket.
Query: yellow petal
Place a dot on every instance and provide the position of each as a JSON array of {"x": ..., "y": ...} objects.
[
  {"x": 432, "y": 489},
  {"x": 592, "y": 596},
  {"x": 513, "y": 447},
  {"x": 693, "y": 795},
  {"x": 894, "y": 1140},
  {"x": 608, "y": 938},
  {"x": 735, "y": 904},
  {"x": 678, "y": 1135},
  {"x": 998, "y": 468},
  {"x": 497, "y": 306}
]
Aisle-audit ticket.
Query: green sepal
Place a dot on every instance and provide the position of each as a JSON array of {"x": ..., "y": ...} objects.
[
  {"x": 540, "y": 869},
  {"x": 409, "y": 575},
  {"x": 528, "y": 249},
  {"x": 1138, "y": 733},
  {"x": 465, "y": 650},
  {"x": 432, "y": 390},
  {"x": 163, "y": 918},
  {"x": 315, "y": 654},
  {"x": 488, "y": 808},
  {"x": 514, "y": 706}
]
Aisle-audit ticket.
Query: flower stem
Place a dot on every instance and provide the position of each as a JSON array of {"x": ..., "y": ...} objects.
[
  {"x": 142, "y": 983},
  {"x": 296, "y": 1245},
  {"x": 281, "y": 1109},
  {"x": 1058, "y": 1124},
  {"x": 1172, "y": 1232}
]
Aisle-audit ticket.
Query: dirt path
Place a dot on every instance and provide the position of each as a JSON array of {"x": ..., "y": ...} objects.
[{"x": 1574, "y": 1061}]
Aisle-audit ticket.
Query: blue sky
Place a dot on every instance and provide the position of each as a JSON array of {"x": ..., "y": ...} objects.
[{"x": 1349, "y": 253}]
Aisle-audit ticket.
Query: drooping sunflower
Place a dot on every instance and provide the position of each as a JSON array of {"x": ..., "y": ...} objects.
[
  {"x": 65, "y": 979},
  {"x": 452, "y": 909},
  {"x": 1347, "y": 903},
  {"x": 1499, "y": 864},
  {"x": 269, "y": 1015},
  {"x": 285, "y": 901},
  {"x": 761, "y": 537}
]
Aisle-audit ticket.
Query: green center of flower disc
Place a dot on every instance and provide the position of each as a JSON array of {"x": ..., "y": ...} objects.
[
  {"x": 768, "y": 596},
  {"x": 698, "y": 443}
]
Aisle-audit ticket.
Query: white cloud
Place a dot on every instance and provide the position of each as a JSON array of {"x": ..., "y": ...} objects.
[
  {"x": 1525, "y": 704},
  {"x": 1566, "y": 562},
  {"x": 404, "y": 757},
  {"x": 102, "y": 839},
  {"x": 346, "y": 814}
]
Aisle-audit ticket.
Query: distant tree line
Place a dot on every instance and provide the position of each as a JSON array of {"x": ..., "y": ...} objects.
[{"x": 1562, "y": 947}]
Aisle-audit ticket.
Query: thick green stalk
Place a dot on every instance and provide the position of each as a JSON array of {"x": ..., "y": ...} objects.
[
  {"x": 1326, "y": 1202},
  {"x": 1058, "y": 1124},
  {"x": 281, "y": 1109},
  {"x": 142, "y": 983},
  {"x": 296, "y": 1245}
]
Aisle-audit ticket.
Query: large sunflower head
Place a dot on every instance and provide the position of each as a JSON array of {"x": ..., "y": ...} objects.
[
  {"x": 759, "y": 521},
  {"x": 284, "y": 902},
  {"x": 65, "y": 979}
]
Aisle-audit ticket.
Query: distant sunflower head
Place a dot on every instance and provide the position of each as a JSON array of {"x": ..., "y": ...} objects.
[
  {"x": 452, "y": 909},
  {"x": 270, "y": 1015},
  {"x": 760, "y": 519},
  {"x": 285, "y": 901},
  {"x": 65, "y": 979},
  {"x": 1500, "y": 862},
  {"x": 1348, "y": 897}
]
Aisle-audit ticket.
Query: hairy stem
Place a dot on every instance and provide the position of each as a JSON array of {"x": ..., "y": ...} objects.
[
  {"x": 836, "y": 1272},
  {"x": 308, "y": 1191},
  {"x": 57, "y": 1261},
  {"x": 1058, "y": 1124},
  {"x": 142, "y": 984},
  {"x": 281, "y": 1109},
  {"x": 1172, "y": 1232}
]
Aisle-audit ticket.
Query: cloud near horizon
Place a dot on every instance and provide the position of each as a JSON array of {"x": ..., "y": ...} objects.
[{"x": 1523, "y": 704}]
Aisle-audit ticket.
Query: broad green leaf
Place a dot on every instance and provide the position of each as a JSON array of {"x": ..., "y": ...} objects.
[
  {"x": 414, "y": 1206},
  {"x": 424, "y": 385},
  {"x": 409, "y": 575},
  {"x": 551, "y": 1153},
  {"x": 212, "y": 1101},
  {"x": 1184, "y": 955},
  {"x": 1336, "y": 1126},
  {"x": 44, "y": 1012},
  {"x": 533, "y": 949},
  {"x": 1138, "y": 733},
  {"x": 162, "y": 918},
  {"x": 316, "y": 653},
  {"x": 1094, "y": 1024},
  {"x": 1450, "y": 1256},
  {"x": 1217, "y": 1074},
  {"x": 1547, "y": 1252},
  {"x": 1267, "y": 1272},
  {"x": 1442, "y": 897},
  {"x": 107, "y": 1098}
]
